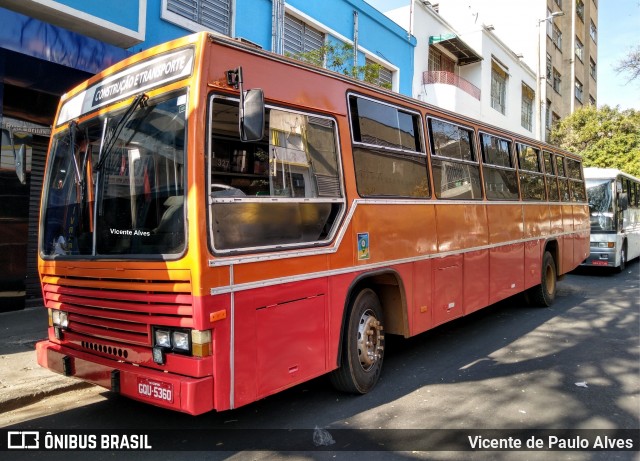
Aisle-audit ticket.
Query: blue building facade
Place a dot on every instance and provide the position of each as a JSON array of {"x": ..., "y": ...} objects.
[{"x": 49, "y": 46}]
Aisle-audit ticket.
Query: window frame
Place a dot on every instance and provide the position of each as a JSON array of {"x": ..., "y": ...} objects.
[
  {"x": 578, "y": 90},
  {"x": 579, "y": 50},
  {"x": 526, "y": 113},
  {"x": 500, "y": 84},
  {"x": 486, "y": 165},
  {"x": 580, "y": 9},
  {"x": 212, "y": 96},
  {"x": 388, "y": 150},
  {"x": 441, "y": 158},
  {"x": 527, "y": 173}
]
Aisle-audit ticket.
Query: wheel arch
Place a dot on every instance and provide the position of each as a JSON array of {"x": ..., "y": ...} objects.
[
  {"x": 388, "y": 286},
  {"x": 553, "y": 247}
]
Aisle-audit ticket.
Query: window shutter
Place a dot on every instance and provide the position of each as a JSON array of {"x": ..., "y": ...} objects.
[
  {"x": 299, "y": 37},
  {"x": 214, "y": 14}
]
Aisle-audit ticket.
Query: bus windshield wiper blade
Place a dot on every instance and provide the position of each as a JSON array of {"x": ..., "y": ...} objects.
[{"x": 108, "y": 145}]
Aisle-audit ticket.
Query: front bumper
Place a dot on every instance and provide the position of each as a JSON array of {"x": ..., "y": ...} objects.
[
  {"x": 601, "y": 257},
  {"x": 176, "y": 392}
]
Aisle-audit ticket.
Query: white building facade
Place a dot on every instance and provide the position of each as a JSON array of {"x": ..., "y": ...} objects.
[{"x": 469, "y": 70}]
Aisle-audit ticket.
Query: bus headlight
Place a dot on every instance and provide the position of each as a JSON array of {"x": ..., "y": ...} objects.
[
  {"x": 196, "y": 343},
  {"x": 162, "y": 338},
  {"x": 172, "y": 339},
  {"x": 180, "y": 340},
  {"x": 59, "y": 318}
]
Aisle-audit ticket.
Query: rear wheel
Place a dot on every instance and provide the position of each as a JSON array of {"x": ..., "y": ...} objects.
[
  {"x": 363, "y": 346},
  {"x": 545, "y": 293}
]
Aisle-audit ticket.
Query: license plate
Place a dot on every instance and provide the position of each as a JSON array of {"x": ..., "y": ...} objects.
[
  {"x": 155, "y": 389},
  {"x": 599, "y": 263}
]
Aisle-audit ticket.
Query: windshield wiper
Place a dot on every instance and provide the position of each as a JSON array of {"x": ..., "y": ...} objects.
[
  {"x": 73, "y": 128},
  {"x": 141, "y": 99}
]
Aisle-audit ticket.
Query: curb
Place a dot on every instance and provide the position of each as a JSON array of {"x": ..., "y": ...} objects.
[{"x": 35, "y": 396}]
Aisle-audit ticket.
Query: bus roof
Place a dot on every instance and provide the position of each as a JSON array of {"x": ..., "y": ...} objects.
[{"x": 606, "y": 173}]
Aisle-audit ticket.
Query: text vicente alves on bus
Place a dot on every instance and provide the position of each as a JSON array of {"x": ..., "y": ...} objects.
[{"x": 202, "y": 247}]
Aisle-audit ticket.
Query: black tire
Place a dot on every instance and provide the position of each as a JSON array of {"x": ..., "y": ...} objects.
[
  {"x": 544, "y": 294},
  {"x": 623, "y": 258},
  {"x": 362, "y": 347}
]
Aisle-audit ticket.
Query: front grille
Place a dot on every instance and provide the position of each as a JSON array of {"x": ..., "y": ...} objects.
[{"x": 120, "y": 310}]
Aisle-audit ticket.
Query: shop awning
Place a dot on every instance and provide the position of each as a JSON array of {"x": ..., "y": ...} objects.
[
  {"x": 456, "y": 46},
  {"x": 38, "y": 39}
]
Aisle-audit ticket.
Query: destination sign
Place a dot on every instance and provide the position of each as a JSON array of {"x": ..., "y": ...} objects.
[{"x": 152, "y": 73}]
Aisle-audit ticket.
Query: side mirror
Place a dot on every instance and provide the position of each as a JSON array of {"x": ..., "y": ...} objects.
[
  {"x": 21, "y": 162},
  {"x": 252, "y": 115},
  {"x": 623, "y": 201}
]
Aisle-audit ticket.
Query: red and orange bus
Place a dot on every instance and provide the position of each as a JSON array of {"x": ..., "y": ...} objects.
[{"x": 203, "y": 246}]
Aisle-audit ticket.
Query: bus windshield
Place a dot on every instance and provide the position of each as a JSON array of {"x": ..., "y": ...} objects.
[
  {"x": 600, "y": 196},
  {"x": 133, "y": 204}
]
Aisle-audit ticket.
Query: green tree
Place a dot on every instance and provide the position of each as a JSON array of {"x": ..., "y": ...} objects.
[
  {"x": 605, "y": 137},
  {"x": 339, "y": 58}
]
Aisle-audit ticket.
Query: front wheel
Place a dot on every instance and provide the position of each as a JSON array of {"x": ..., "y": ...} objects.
[
  {"x": 544, "y": 294},
  {"x": 363, "y": 346}
]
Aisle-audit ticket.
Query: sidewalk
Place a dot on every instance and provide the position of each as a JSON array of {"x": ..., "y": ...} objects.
[{"x": 22, "y": 380}]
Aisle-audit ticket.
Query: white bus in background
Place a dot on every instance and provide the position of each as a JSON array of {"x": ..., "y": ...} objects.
[{"x": 614, "y": 208}]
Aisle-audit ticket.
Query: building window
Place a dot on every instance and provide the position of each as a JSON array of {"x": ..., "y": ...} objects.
[
  {"x": 556, "y": 37},
  {"x": 555, "y": 119},
  {"x": 579, "y": 49},
  {"x": 593, "y": 71},
  {"x": 549, "y": 25},
  {"x": 557, "y": 80},
  {"x": 498, "y": 86},
  {"x": 578, "y": 90},
  {"x": 549, "y": 68},
  {"x": 547, "y": 119},
  {"x": 299, "y": 37},
  {"x": 212, "y": 14},
  {"x": 526, "y": 118},
  {"x": 439, "y": 61},
  {"x": 592, "y": 100},
  {"x": 580, "y": 9},
  {"x": 593, "y": 32},
  {"x": 384, "y": 78}
]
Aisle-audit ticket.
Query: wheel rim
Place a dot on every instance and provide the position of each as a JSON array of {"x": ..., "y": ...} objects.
[{"x": 369, "y": 340}]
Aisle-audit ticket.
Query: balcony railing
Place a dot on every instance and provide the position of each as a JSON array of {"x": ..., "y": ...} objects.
[{"x": 449, "y": 78}]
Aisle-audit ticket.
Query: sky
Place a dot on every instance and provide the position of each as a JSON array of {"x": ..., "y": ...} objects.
[{"x": 618, "y": 33}]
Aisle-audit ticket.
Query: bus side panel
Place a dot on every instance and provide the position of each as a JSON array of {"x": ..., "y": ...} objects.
[
  {"x": 279, "y": 338},
  {"x": 532, "y": 263},
  {"x": 409, "y": 229},
  {"x": 476, "y": 280},
  {"x": 420, "y": 317},
  {"x": 536, "y": 221},
  {"x": 555, "y": 219},
  {"x": 505, "y": 223},
  {"x": 451, "y": 219},
  {"x": 506, "y": 271},
  {"x": 221, "y": 337},
  {"x": 447, "y": 289},
  {"x": 581, "y": 222},
  {"x": 566, "y": 259}
]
